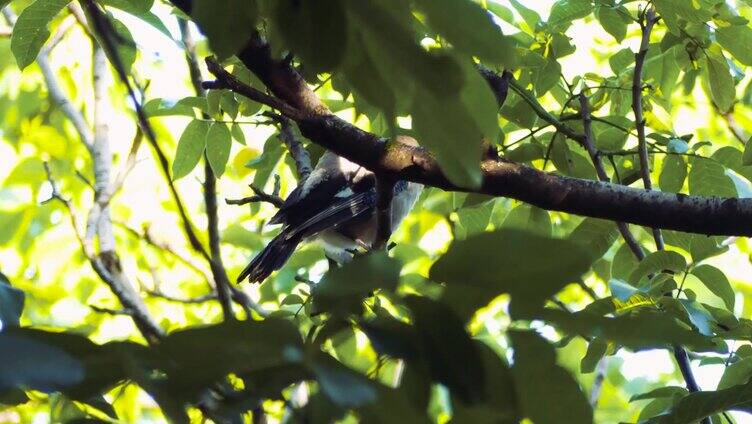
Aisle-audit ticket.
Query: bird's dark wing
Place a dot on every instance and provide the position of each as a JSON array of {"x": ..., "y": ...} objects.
[
  {"x": 279, "y": 250},
  {"x": 319, "y": 192}
]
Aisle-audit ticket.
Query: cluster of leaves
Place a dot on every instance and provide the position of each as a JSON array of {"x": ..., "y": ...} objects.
[{"x": 363, "y": 323}]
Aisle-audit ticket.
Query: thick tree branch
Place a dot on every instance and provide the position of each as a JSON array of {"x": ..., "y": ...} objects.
[
  {"x": 704, "y": 215},
  {"x": 107, "y": 266}
]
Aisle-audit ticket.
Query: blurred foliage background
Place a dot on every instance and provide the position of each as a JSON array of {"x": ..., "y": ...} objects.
[{"x": 697, "y": 110}]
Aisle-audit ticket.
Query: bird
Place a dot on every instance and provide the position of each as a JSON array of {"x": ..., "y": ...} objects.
[{"x": 336, "y": 206}]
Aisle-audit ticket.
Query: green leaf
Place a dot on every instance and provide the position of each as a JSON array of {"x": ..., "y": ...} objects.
[
  {"x": 736, "y": 374},
  {"x": 237, "y": 133},
  {"x": 661, "y": 392},
  {"x": 564, "y": 12},
  {"x": 737, "y": 40},
  {"x": 698, "y": 405},
  {"x": 228, "y": 24},
  {"x": 596, "y": 236},
  {"x": 470, "y": 29},
  {"x": 11, "y": 303},
  {"x": 343, "y": 288},
  {"x": 519, "y": 272},
  {"x": 715, "y": 280},
  {"x": 673, "y": 174},
  {"x": 32, "y": 364},
  {"x": 130, "y": 6},
  {"x": 316, "y": 30},
  {"x": 126, "y": 46},
  {"x": 719, "y": 79},
  {"x": 530, "y": 16},
  {"x": 202, "y": 355},
  {"x": 453, "y": 358},
  {"x": 190, "y": 147},
  {"x": 613, "y": 20},
  {"x": 662, "y": 260},
  {"x": 218, "y": 143},
  {"x": 708, "y": 178},
  {"x": 596, "y": 350},
  {"x": 343, "y": 386},
  {"x": 642, "y": 328},
  {"x": 500, "y": 405},
  {"x": 30, "y": 31},
  {"x": 535, "y": 362},
  {"x": 747, "y": 156},
  {"x": 528, "y": 218}
]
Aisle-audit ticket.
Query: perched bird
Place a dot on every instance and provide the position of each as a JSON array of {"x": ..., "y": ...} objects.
[{"x": 335, "y": 205}]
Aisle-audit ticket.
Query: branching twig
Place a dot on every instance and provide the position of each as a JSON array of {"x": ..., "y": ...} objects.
[
  {"x": 190, "y": 301},
  {"x": 589, "y": 144},
  {"x": 229, "y": 81},
  {"x": 109, "y": 311},
  {"x": 294, "y": 145},
  {"x": 648, "y": 20},
  {"x": 261, "y": 196},
  {"x": 103, "y": 29}
]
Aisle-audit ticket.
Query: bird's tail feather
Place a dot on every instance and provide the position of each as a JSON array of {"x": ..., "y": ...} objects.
[{"x": 274, "y": 255}]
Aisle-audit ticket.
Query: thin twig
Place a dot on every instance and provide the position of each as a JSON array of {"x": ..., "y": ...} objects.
[
  {"x": 648, "y": 20},
  {"x": 260, "y": 196},
  {"x": 294, "y": 145},
  {"x": 190, "y": 301},
  {"x": 589, "y": 144},
  {"x": 103, "y": 28},
  {"x": 108, "y": 311},
  {"x": 229, "y": 81}
]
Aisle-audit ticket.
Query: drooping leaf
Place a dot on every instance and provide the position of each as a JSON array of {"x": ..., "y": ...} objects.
[
  {"x": 11, "y": 303},
  {"x": 28, "y": 363},
  {"x": 218, "y": 144},
  {"x": 719, "y": 79},
  {"x": 315, "y": 30},
  {"x": 642, "y": 329},
  {"x": 715, "y": 280},
  {"x": 614, "y": 20},
  {"x": 228, "y": 24},
  {"x": 343, "y": 288},
  {"x": 470, "y": 29},
  {"x": 673, "y": 174},
  {"x": 708, "y": 178},
  {"x": 190, "y": 148},
  {"x": 531, "y": 269},
  {"x": 662, "y": 260},
  {"x": 534, "y": 362},
  {"x": 696, "y": 406},
  {"x": 342, "y": 385},
  {"x": 737, "y": 40},
  {"x": 30, "y": 31},
  {"x": 452, "y": 356}
]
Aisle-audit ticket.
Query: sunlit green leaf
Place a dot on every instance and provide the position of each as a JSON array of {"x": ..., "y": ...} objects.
[
  {"x": 190, "y": 148},
  {"x": 30, "y": 31}
]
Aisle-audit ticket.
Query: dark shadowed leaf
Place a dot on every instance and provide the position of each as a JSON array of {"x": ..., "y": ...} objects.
[
  {"x": 535, "y": 362},
  {"x": 656, "y": 262},
  {"x": 452, "y": 356},
  {"x": 342, "y": 289},
  {"x": 696, "y": 406},
  {"x": 342, "y": 385},
  {"x": 11, "y": 303},
  {"x": 470, "y": 29},
  {"x": 529, "y": 267},
  {"x": 30, "y": 363},
  {"x": 228, "y": 24},
  {"x": 643, "y": 328}
]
